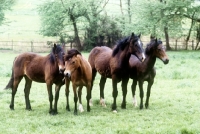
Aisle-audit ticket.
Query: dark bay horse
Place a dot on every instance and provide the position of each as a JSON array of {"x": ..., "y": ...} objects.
[
  {"x": 79, "y": 72},
  {"x": 115, "y": 64},
  {"x": 145, "y": 71},
  {"x": 45, "y": 69}
]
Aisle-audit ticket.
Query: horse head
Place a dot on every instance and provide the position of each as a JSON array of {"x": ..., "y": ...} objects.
[
  {"x": 72, "y": 62},
  {"x": 156, "y": 47},
  {"x": 135, "y": 46},
  {"x": 59, "y": 56}
]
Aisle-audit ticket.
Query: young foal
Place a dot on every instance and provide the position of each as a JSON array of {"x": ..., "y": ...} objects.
[
  {"x": 33, "y": 67},
  {"x": 78, "y": 70},
  {"x": 115, "y": 64},
  {"x": 145, "y": 71}
]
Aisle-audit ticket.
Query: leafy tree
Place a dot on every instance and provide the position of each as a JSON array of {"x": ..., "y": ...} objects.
[
  {"x": 162, "y": 18},
  {"x": 4, "y": 5}
]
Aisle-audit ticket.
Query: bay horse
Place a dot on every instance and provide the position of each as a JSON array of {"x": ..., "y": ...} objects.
[
  {"x": 115, "y": 64},
  {"x": 145, "y": 71},
  {"x": 44, "y": 69},
  {"x": 79, "y": 72}
]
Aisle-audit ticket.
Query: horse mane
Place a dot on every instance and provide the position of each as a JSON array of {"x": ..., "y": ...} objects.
[
  {"x": 121, "y": 44},
  {"x": 153, "y": 43},
  {"x": 71, "y": 53},
  {"x": 54, "y": 51}
]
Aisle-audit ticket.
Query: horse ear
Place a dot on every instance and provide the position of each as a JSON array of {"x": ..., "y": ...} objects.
[
  {"x": 54, "y": 48},
  {"x": 132, "y": 35},
  {"x": 152, "y": 37},
  {"x": 139, "y": 35}
]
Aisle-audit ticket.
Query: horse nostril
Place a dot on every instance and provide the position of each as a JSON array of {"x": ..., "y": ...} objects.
[{"x": 166, "y": 61}]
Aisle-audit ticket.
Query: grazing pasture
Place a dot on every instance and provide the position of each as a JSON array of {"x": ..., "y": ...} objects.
[{"x": 175, "y": 103}]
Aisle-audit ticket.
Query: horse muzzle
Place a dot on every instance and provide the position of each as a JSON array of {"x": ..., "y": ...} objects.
[
  {"x": 166, "y": 61},
  {"x": 67, "y": 74}
]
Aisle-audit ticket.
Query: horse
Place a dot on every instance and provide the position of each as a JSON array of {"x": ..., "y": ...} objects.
[
  {"x": 79, "y": 72},
  {"x": 145, "y": 71},
  {"x": 44, "y": 69},
  {"x": 115, "y": 64}
]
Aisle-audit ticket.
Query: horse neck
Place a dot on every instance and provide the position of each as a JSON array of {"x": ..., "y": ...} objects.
[
  {"x": 150, "y": 61},
  {"x": 52, "y": 61},
  {"x": 81, "y": 67},
  {"x": 124, "y": 56}
]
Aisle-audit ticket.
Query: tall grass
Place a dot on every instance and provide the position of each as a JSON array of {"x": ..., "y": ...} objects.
[{"x": 174, "y": 104}]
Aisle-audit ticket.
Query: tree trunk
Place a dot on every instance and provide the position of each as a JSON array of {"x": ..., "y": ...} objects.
[
  {"x": 76, "y": 37},
  {"x": 167, "y": 38},
  {"x": 189, "y": 33}
]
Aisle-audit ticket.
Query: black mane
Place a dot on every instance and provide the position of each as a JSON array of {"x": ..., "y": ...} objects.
[
  {"x": 120, "y": 45},
  {"x": 152, "y": 44},
  {"x": 55, "y": 50},
  {"x": 71, "y": 53}
]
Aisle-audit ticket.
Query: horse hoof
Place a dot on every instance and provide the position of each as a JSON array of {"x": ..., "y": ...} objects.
[
  {"x": 90, "y": 103},
  {"x": 11, "y": 107},
  {"x": 28, "y": 109},
  {"x": 114, "y": 111},
  {"x": 75, "y": 113},
  {"x": 146, "y": 106},
  {"x": 67, "y": 108},
  {"x": 103, "y": 102},
  {"x": 141, "y": 107},
  {"x": 123, "y": 106},
  {"x": 81, "y": 108}
]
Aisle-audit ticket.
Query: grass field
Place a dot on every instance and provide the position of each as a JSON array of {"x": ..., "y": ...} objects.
[{"x": 174, "y": 104}]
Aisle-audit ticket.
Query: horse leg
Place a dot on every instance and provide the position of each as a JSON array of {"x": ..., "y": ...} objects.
[
  {"x": 75, "y": 99},
  {"x": 141, "y": 93},
  {"x": 49, "y": 88},
  {"x": 14, "y": 90},
  {"x": 94, "y": 72},
  {"x": 67, "y": 83},
  {"x": 102, "y": 85},
  {"x": 88, "y": 97},
  {"x": 150, "y": 83},
  {"x": 57, "y": 91},
  {"x": 133, "y": 87},
  {"x": 124, "y": 90},
  {"x": 114, "y": 93},
  {"x": 27, "y": 88},
  {"x": 79, "y": 99}
]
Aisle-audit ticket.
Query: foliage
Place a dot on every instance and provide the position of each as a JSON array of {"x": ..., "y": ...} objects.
[
  {"x": 4, "y": 5},
  {"x": 76, "y": 15}
]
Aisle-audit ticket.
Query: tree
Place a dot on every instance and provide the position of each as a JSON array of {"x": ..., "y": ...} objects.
[
  {"x": 58, "y": 17},
  {"x": 162, "y": 18},
  {"x": 4, "y": 5}
]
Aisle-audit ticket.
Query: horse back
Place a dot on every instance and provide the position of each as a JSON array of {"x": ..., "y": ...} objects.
[
  {"x": 32, "y": 65},
  {"x": 99, "y": 60}
]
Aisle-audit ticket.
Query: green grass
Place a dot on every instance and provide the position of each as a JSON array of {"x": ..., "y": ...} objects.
[{"x": 174, "y": 104}]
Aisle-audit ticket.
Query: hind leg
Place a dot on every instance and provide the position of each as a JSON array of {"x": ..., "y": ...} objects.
[
  {"x": 27, "y": 88},
  {"x": 102, "y": 85},
  {"x": 14, "y": 90}
]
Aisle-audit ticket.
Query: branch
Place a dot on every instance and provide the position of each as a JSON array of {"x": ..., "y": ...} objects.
[{"x": 192, "y": 18}]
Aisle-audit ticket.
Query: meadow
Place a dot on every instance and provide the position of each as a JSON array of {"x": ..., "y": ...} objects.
[{"x": 174, "y": 106}]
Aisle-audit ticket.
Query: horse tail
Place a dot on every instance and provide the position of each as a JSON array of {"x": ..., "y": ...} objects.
[{"x": 10, "y": 83}]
